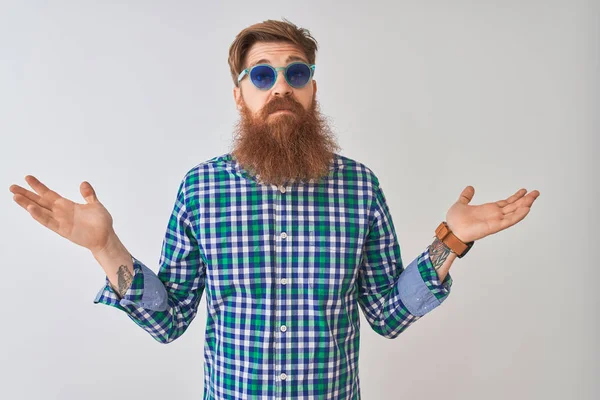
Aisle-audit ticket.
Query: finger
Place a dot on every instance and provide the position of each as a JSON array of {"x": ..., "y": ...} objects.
[
  {"x": 41, "y": 189},
  {"x": 23, "y": 201},
  {"x": 520, "y": 193},
  {"x": 40, "y": 214},
  {"x": 88, "y": 192},
  {"x": 514, "y": 217},
  {"x": 466, "y": 195},
  {"x": 526, "y": 201},
  {"x": 43, "y": 216},
  {"x": 16, "y": 189},
  {"x": 509, "y": 208}
]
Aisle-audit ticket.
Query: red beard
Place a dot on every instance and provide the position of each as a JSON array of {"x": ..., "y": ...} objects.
[{"x": 297, "y": 145}]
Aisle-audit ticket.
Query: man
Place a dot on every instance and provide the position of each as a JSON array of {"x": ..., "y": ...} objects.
[{"x": 286, "y": 237}]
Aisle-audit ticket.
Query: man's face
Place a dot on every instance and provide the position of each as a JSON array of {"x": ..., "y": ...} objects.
[
  {"x": 277, "y": 54},
  {"x": 281, "y": 134}
]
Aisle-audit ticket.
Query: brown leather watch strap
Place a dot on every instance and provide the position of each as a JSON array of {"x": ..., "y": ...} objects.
[{"x": 457, "y": 246}]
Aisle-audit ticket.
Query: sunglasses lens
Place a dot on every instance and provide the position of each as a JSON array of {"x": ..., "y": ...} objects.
[
  {"x": 262, "y": 77},
  {"x": 298, "y": 75}
]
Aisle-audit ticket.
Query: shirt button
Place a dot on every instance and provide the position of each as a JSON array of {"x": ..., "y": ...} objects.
[
  {"x": 283, "y": 235},
  {"x": 283, "y": 281},
  {"x": 281, "y": 189},
  {"x": 283, "y": 376},
  {"x": 283, "y": 328}
]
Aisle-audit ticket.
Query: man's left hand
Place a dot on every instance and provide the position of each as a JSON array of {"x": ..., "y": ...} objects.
[{"x": 471, "y": 222}]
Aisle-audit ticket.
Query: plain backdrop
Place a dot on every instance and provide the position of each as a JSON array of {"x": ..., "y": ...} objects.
[{"x": 432, "y": 96}]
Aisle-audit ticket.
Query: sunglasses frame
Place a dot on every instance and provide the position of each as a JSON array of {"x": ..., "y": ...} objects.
[{"x": 248, "y": 71}]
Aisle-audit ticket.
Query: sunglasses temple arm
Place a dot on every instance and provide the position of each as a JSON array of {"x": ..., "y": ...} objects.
[{"x": 241, "y": 75}]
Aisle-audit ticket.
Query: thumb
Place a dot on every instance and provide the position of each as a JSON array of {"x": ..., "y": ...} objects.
[
  {"x": 467, "y": 195},
  {"x": 88, "y": 193}
]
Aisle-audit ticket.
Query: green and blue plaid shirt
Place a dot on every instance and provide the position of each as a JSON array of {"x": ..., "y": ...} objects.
[{"x": 284, "y": 269}]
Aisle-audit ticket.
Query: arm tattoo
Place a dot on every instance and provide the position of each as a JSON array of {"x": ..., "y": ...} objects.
[
  {"x": 438, "y": 252},
  {"x": 124, "y": 280}
]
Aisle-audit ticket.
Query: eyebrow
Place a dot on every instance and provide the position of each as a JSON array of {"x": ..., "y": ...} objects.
[{"x": 290, "y": 58}]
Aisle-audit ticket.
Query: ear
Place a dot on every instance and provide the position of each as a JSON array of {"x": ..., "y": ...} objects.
[
  {"x": 237, "y": 97},
  {"x": 314, "y": 87}
]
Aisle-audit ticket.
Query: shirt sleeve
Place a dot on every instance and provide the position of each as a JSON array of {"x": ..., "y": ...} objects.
[
  {"x": 165, "y": 304},
  {"x": 419, "y": 286},
  {"x": 392, "y": 297}
]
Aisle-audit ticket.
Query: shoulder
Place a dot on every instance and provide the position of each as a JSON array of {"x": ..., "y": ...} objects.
[
  {"x": 356, "y": 170},
  {"x": 206, "y": 172},
  {"x": 201, "y": 177}
]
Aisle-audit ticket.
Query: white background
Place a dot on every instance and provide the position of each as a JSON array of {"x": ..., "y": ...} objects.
[{"x": 432, "y": 96}]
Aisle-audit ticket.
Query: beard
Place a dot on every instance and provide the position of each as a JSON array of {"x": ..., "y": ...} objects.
[{"x": 297, "y": 145}]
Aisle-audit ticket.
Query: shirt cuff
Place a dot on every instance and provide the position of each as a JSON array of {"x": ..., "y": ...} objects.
[
  {"x": 419, "y": 287},
  {"x": 146, "y": 291}
]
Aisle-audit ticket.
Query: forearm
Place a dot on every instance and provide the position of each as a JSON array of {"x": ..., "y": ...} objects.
[
  {"x": 441, "y": 257},
  {"x": 117, "y": 264}
]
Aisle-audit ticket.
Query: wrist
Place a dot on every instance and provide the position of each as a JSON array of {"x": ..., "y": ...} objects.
[
  {"x": 112, "y": 247},
  {"x": 445, "y": 234},
  {"x": 117, "y": 264}
]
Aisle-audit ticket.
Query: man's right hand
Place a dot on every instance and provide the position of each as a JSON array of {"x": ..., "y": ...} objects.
[{"x": 89, "y": 225}]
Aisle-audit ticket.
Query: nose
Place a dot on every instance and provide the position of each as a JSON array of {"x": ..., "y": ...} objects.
[{"x": 281, "y": 87}]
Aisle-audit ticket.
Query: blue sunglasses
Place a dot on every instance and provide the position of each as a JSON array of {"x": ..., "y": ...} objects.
[{"x": 263, "y": 76}]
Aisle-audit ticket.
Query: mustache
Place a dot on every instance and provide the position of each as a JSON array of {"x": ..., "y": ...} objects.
[{"x": 282, "y": 103}]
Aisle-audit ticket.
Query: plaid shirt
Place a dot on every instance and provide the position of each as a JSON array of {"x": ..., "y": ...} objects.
[{"x": 284, "y": 269}]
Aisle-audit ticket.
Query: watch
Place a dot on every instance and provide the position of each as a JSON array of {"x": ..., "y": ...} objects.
[{"x": 457, "y": 246}]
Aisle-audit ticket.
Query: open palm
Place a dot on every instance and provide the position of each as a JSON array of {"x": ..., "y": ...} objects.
[
  {"x": 473, "y": 222},
  {"x": 88, "y": 225}
]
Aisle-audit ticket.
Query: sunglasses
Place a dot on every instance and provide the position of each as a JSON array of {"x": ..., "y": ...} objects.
[{"x": 263, "y": 76}]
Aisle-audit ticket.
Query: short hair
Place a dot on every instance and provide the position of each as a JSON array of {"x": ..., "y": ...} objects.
[{"x": 269, "y": 31}]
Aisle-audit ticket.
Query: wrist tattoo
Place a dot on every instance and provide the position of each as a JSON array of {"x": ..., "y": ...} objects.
[
  {"x": 438, "y": 252},
  {"x": 124, "y": 280}
]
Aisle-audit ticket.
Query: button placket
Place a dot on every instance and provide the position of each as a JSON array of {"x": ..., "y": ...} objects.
[{"x": 281, "y": 225}]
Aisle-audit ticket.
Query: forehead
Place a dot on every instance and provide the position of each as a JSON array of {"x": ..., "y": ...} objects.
[{"x": 274, "y": 53}]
